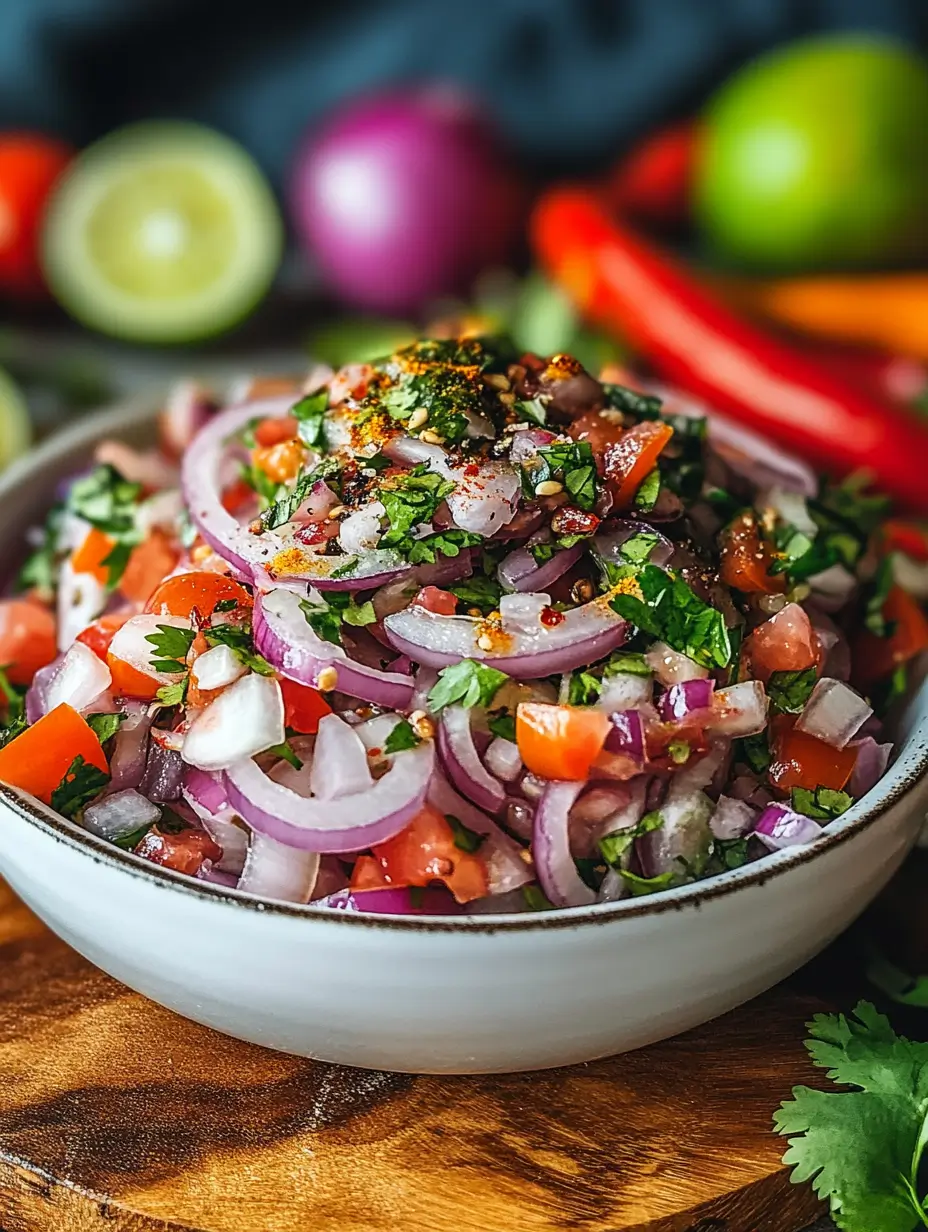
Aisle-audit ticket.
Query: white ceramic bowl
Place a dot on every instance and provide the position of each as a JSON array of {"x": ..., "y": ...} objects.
[{"x": 463, "y": 995}]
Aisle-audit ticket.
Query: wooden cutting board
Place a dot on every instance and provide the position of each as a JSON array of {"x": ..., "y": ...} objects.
[{"x": 116, "y": 1114}]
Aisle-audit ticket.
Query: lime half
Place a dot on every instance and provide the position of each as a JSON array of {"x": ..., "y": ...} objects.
[
  {"x": 162, "y": 232},
  {"x": 15, "y": 424}
]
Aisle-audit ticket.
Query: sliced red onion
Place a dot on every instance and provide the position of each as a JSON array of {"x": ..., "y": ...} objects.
[
  {"x": 682, "y": 700},
  {"x": 216, "y": 876},
  {"x": 519, "y": 571},
  {"x": 243, "y": 720},
  {"x": 462, "y": 763},
  {"x": 671, "y": 667},
  {"x": 130, "y": 747},
  {"x": 333, "y": 826},
  {"x": 601, "y": 811},
  {"x": 628, "y": 736},
  {"x": 37, "y": 695},
  {"x": 164, "y": 772},
  {"x": 121, "y": 813},
  {"x": 608, "y": 543},
  {"x": 275, "y": 871},
  {"x": 532, "y": 787},
  {"x": 780, "y": 827},
  {"x": 754, "y": 458},
  {"x": 503, "y": 858},
  {"x": 732, "y": 819},
  {"x": 361, "y": 530},
  {"x": 833, "y": 587},
  {"x": 503, "y": 760},
  {"x": 432, "y": 900},
  {"x": 557, "y": 872},
  {"x": 739, "y": 710},
  {"x": 410, "y": 451},
  {"x": 205, "y": 793},
  {"x": 485, "y": 502},
  {"x": 522, "y": 613},
  {"x": 911, "y": 575},
  {"x": 625, "y": 691},
  {"x": 188, "y": 409},
  {"x": 613, "y": 889},
  {"x": 518, "y": 816},
  {"x": 834, "y": 713},
  {"x": 835, "y": 646},
  {"x": 872, "y": 760},
  {"x": 286, "y": 640},
  {"x": 339, "y": 762},
  {"x": 684, "y": 836},
  {"x": 790, "y": 507},
  {"x": 527, "y": 442},
  {"x": 584, "y": 635}
]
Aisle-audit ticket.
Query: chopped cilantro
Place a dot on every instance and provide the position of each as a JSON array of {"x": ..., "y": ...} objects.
[
  {"x": 502, "y": 724},
  {"x": 325, "y": 618},
  {"x": 240, "y": 640},
  {"x": 730, "y": 852},
  {"x": 569, "y": 463},
  {"x": 648, "y": 492},
  {"x": 755, "y": 752},
  {"x": 40, "y": 569},
  {"x": 107, "y": 501},
  {"x": 465, "y": 839},
  {"x": 628, "y": 662},
  {"x": 543, "y": 552},
  {"x": 583, "y": 689},
  {"x": 823, "y": 804},
  {"x": 129, "y": 842},
  {"x": 15, "y": 719},
  {"x": 226, "y": 605},
  {"x": 171, "y": 645},
  {"x": 105, "y": 726},
  {"x": 535, "y": 899},
  {"x": 646, "y": 885},
  {"x": 671, "y": 611},
  {"x": 309, "y": 413},
  {"x": 679, "y": 751},
  {"x": 637, "y": 550},
  {"x": 466, "y": 684},
  {"x": 877, "y": 594},
  {"x": 425, "y": 551},
  {"x": 401, "y": 738},
  {"x": 82, "y": 781},
  {"x": 534, "y": 410},
  {"x": 630, "y": 401},
  {"x": 410, "y": 500},
  {"x": 479, "y": 591},
  {"x": 173, "y": 694},
  {"x": 789, "y": 691},
  {"x": 613, "y": 846},
  {"x": 285, "y": 752}
]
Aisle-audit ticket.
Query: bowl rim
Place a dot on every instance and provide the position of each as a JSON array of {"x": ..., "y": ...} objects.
[{"x": 901, "y": 779}]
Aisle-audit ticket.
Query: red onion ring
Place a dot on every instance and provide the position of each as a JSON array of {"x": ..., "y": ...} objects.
[
  {"x": 520, "y": 572},
  {"x": 348, "y": 824},
  {"x": 277, "y": 871},
  {"x": 584, "y": 635},
  {"x": 462, "y": 763},
  {"x": 393, "y": 900},
  {"x": 286, "y": 640},
  {"x": 557, "y": 871}
]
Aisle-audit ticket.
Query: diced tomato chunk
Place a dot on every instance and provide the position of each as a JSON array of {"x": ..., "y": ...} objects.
[
  {"x": 200, "y": 589},
  {"x": 38, "y": 759},
  {"x": 128, "y": 681},
  {"x": 422, "y": 853},
  {"x": 303, "y": 706},
  {"x": 275, "y": 431},
  {"x": 148, "y": 563},
  {"x": 434, "y": 599},
  {"x": 877, "y": 657},
  {"x": 99, "y": 635},
  {"x": 560, "y": 742},
  {"x": 27, "y": 638},
  {"x": 185, "y": 852},
  {"x": 747, "y": 557},
  {"x": 237, "y": 496},
  {"x": 785, "y": 643},
  {"x": 279, "y": 462},
  {"x": 632, "y": 458},
  {"x": 908, "y": 537},
  {"x": 801, "y": 760}
]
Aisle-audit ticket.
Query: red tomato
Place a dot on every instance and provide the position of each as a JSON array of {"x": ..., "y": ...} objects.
[
  {"x": 598, "y": 431},
  {"x": 303, "y": 706},
  {"x": 785, "y": 643},
  {"x": 27, "y": 639},
  {"x": 560, "y": 742},
  {"x": 148, "y": 563},
  {"x": 185, "y": 852},
  {"x": 275, "y": 431},
  {"x": 422, "y": 853},
  {"x": 433, "y": 599},
  {"x": 30, "y": 164},
  {"x": 876, "y": 657},
  {"x": 632, "y": 458},
  {"x": 237, "y": 496},
  {"x": 801, "y": 760},
  {"x": 747, "y": 557},
  {"x": 38, "y": 759},
  {"x": 99, "y": 635},
  {"x": 200, "y": 589},
  {"x": 128, "y": 681}
]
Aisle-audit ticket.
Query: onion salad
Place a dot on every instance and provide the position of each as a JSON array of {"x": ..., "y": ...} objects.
[{"x": 462, "y": 630}]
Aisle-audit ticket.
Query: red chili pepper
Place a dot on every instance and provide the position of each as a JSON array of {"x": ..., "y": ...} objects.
[
  {"x": 623, "y": 283},
  {"x": 654, "y": 180}
]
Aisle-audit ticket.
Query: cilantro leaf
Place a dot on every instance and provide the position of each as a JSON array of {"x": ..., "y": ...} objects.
[
  {"x": 425, "y": 551},
  {"x": 613, "y": 846},
  {"x": 105, "y": 726},
  {"x": 401, "y": 738},
  {"x": 643, "y": 406},
  {"x": 40, "y": 569},
  {"x": 534, "y": 410},
  {"x": 648, "y": 491},
  {"x": 789, "y": 691},
  {"x": 569, "y": 463},
  {"x": 226, "y": 605},
  {"x": 895, "y": 983},
  {"x": 324, "y": 621},
  {"x": 173, "y": 694},
  {"x": 411, "y": 500},
  {"x": 628, "y": 662},
  {"x": 534, "y": 898},
  {"x": 240, "y": 640},
  {"x": 671, "y": 611},
  {"x": 502, "y": 724},
  {"x": 309, "y": 413},
  {"x": 325, "y": 618},
  {"x": 80, "y": 784},
  {"x": 646, "y": 885},
  {"x": 639, "y": 547},
  {"x": 823, "y": 804},
  {"x": 583, "y": 689},
  {"x": 285, "y": 752},
  {"x": 466, "y": 684},
  {"x": 171, "y": 645},
  {"x": 877, "y": 594},
  {"x": 282, "y": 502},
  {"x": 479, "y": 591},
  {"x": 465, "y": 839},
  {"x": 755, "y": 751},
  {"x": 107, "y": 501},
  {"x": 861, "y": 1149},
  {"x": 129, "y": 842}
]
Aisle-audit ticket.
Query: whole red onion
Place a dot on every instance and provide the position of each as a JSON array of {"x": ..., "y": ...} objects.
[{"x": 403, "y": 197}]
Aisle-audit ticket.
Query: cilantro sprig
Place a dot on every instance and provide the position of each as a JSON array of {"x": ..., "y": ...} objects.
[
  {"x": 789, "y": 691},
  {"x": 570, "y": 463},
  {"x": 822, "y": 804},
  {"x": 410, "y": 500},
  {"x": 80, "y": 784},
  {"x": 240, "y": 640},
  {"x": 612, "y": 847},
  {"x": 327, "y": 615},
  {"x": 309, "y": 412},
  {"x": 14, "y": 723},
  {"x": 171, "y": 645},
  {"x": 466, "y": 684},
  {"x": 669, "y": 610}
]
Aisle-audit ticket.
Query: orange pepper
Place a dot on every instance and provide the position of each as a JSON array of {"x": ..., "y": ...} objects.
[
  {"x": 147, "y": 565},
  {"x": 875, "y": 658},
  {"x": 746, "y": 559},
  {"x": 560, "y": 742},
  {"x": 303, "y": 706},
  {"x": 27, "y": 638},
  {"x": 200, "y": 589},
  {"x": 422, "y": 853},
  {"x": 128, "y": 681},
  {"x": 632, "y": 458},
  {"x": 801, "y": 760},
  {"x": 38, "y": 760},
  {"x": 279, "y": 462},
  {"x": 89, "y": 557}
]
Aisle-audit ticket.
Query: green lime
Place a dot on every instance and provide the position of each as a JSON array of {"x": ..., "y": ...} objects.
[
  {"x": 817, "y": 155},
  {"x": 15, "y": 424},
  {"x": 162, "y": 232}
]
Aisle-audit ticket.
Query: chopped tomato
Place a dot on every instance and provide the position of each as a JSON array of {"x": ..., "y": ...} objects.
[
  {"x": 128, "y": 681},
  {"x": 303, "y": 706},
  {"x": 275, "y": 431},
  {"x": 785, "y": 643},
  {"x": 279, "y": 462},
  {"x": 200, "y": 589},
  {"x": 148, "y": 563},
  {"x": 747, "y": 557},
  {"x": 237, "y": 496},
  {"x": 99, "y": 635},
  {"x": 422, "y": 853},
  {"x": 185, "y": 852},
  {"x": 91, "y": 554},
  {"x": 560, "y": 742},
  {"x": 27, "y": 638},
  {"x": 876, "y": 657},
  {"x": 908, "y": 537},
  {"x": 632, "y": 458},
  {"x": 38, "y": 760},
  {"x": 599, "y": 431},
  {"x": 801, "y": 760},
  {"x": 434, "y": 599}
]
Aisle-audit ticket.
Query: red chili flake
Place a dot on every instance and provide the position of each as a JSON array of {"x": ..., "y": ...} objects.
[
  {"x": 311, "y": 533},
  {"x": 569, "y": 520},
  {"x": 550, "y": 618},
  {"x": 472, "y": 470}
]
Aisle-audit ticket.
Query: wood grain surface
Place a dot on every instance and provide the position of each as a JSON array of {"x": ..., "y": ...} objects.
[{"x": 116, "y": 1114}]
